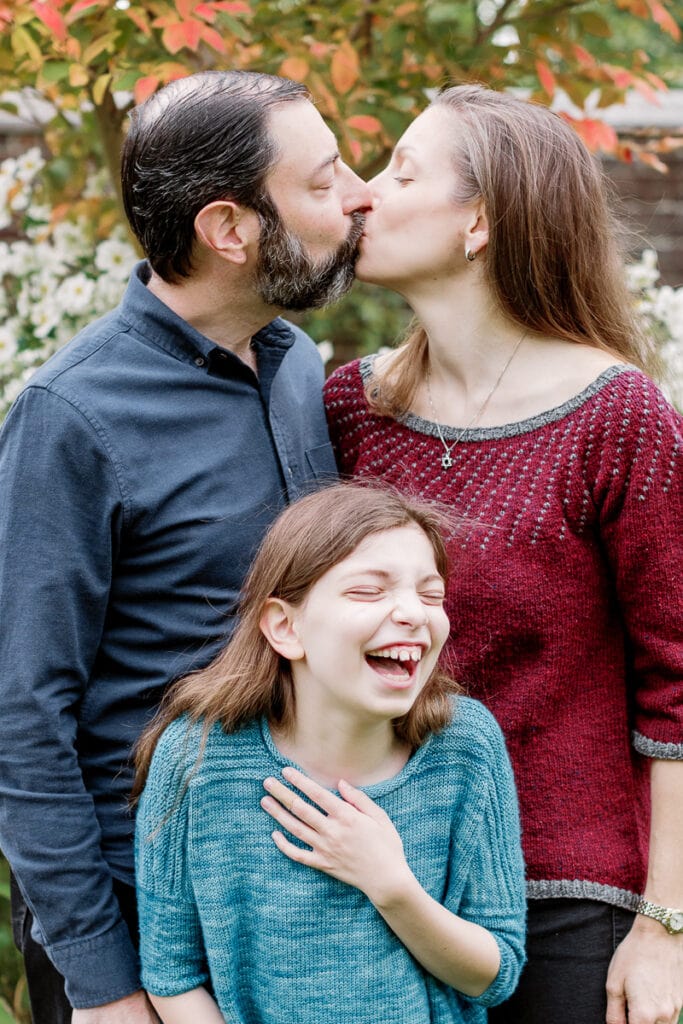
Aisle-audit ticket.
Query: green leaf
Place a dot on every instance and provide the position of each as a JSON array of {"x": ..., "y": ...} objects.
[
  {"x": 6, "y": 1016},
  {"x": 594, "y": 24},
  {"x": 55, "y": 70}
]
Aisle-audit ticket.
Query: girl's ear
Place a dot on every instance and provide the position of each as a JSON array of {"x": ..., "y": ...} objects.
[{"x": 278, "y": 626}]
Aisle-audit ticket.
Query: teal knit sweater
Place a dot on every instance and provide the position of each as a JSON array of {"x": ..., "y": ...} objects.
[{"x": 285, "y": 944}]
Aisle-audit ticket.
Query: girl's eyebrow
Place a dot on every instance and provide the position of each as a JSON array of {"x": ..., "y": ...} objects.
[{"x": 384, "y": 574}]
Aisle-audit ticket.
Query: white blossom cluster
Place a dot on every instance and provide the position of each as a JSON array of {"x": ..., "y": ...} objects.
[
  {"x": 662, "y": 309},
  {"x": 53, "y": 279}
]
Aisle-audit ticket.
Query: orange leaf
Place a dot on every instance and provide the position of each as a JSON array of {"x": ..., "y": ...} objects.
[
  {"x": 345, "y": 68},
  {"x": 356, "y": 150},
  {"x": 213, "y": 38},
  {"x": 144, "y": 88},
  {"x": 51, "y": 18},
  {"x": 364, "y": 123},
  {"x": 183, "y": 33},
  {"x": 403, "y": 9},
  {"x": 546, "y": 78},
  {"x": 597, "y": 134},
  {"x": 140, "y": 20},
  {"x": 83, "y": 5},
  {"x": 185, "y": 9},
  {"x": 319, "y": 50},
  {"x": 664, "y": 19},
  {"x": 656, "y": 81},
  {"x": 652, "y": 160},
  {"x": 78, "y": 76},
  {"x": 646, "y": 90},
  {"x": 585, "y": 59},
  {"x": 295, "y": 68}
]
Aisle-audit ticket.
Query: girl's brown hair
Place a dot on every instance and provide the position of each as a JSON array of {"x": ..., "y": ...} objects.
[
  {"x": 248, "y": 678},
  {"x": 553, "y": 261}
]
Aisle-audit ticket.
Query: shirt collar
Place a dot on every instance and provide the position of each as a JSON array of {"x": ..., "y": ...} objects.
[{"x": 170, "y": 332}]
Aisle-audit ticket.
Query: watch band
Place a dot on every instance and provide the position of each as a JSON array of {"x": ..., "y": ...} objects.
[{"x": 670, "y": 918}]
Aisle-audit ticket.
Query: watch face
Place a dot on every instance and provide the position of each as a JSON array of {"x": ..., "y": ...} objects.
[{"x": 676, "y": 921}]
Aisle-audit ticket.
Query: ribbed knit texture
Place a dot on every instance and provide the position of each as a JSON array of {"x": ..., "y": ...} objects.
[
  {"x": 285, "y": 943},
  {"x": 566, "y": 603}
]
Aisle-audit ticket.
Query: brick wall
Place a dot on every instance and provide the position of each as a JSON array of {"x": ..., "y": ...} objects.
[{"x": 652, "y": 204}]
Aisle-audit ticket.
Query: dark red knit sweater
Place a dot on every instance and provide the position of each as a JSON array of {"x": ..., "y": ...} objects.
[{"x": 565, "y": 600}]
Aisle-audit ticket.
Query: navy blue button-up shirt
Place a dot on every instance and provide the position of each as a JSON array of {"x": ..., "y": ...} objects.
[{"x": 138, "y": 472}]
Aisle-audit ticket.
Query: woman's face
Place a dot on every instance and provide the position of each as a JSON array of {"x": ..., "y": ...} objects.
[{"x": 415, "y": 231}]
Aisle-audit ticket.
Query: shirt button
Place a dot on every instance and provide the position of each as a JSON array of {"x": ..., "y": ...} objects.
[{"x": 199, "y": 361}]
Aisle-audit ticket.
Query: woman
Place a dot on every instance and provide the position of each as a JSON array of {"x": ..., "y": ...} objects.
[{"x": 520, "y": 400}]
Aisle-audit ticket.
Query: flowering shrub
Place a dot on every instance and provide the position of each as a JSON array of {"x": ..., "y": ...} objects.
[
  {"x": 58, "y": 276},
  {"x": 662, "y": 309}
]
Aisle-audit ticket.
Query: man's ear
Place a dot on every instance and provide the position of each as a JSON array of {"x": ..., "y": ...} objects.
[
  {"x": 278, "y": 626},
  {"x": 226, "y": 228},
  {"x": 477, "y": 229}
]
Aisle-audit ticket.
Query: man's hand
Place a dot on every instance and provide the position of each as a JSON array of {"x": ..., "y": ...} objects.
[
  {"x": 133, "y": 1009},
  {"x": 645, "y": 976}
]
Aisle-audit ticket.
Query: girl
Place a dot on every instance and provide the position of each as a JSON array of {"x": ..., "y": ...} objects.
[
  {"x": 323, "y": 835},
  {"x": 519, "y": 403}
]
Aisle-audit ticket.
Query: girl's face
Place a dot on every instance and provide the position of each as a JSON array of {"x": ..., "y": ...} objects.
[
  {"x": 415, "y": 229},
  {"x": 371, "y": 629}
]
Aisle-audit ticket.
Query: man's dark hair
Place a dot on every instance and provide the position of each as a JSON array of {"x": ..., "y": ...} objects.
[{"x": 198, "y": 140}]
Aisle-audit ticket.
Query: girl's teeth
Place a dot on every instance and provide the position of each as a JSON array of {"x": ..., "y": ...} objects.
[{"x": 399, "y": 653}]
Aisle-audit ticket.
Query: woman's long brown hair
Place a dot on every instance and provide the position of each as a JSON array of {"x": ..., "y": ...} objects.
[
  {"x": 553, "y": 261},
  {"x": 248, "y": 679}
]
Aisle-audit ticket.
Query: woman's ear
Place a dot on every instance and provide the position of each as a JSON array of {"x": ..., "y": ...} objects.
[
  {"x": 225, "y": 228},
  {"x": 278, "y": 626},
  {"x": 477, "y": 230}
]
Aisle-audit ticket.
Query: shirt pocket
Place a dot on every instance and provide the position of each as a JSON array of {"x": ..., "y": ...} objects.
[{"x": 321, "y": 462}]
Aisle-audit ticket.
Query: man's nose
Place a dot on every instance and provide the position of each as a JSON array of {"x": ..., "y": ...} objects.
[{"x": 357, "y": 195}]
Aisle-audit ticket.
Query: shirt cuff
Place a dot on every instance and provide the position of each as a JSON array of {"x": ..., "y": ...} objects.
[
  {"x": 656, "y": 748},
  {"x": 98, "y": 970}
]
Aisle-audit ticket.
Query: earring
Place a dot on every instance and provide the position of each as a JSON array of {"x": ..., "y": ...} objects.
[{"x": 470, "y": 256}]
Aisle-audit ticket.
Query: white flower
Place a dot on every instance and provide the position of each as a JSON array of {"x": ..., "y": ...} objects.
[
  {"x": 44, "y": 316},
  {"x": 108, "y": 292},
  {"x": 115, "y": 257},
  {"x": 8, "y": 344},
  {"x": 326, "y": 350},
  {"x": 29, "y": 165},
  {"x": 74, "y": 295}
]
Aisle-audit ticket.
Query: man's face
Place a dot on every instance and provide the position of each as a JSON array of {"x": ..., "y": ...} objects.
[{"x": 312, "y": 218}]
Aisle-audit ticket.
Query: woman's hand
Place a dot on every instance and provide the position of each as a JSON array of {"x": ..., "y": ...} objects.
[
  {"x": 645, "y": 976},
  {"x": 349, "y": 836}
]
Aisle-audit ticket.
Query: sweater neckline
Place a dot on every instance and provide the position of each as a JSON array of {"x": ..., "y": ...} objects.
[
  {"x": 376, "y": 789},
  {"x": 505, "y": 430}
]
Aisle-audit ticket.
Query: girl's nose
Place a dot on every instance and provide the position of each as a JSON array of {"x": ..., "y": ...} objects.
[{"x": 409, "y": 610}]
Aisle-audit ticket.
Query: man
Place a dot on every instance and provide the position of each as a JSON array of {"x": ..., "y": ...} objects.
[{"x": 138, "y": 471}]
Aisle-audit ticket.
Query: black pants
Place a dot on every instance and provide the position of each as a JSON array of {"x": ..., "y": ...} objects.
[
  {"x": 45, "y": 984},
  {"x": 569, "y": 946}
]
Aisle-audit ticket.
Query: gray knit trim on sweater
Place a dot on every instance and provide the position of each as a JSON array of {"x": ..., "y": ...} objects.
[
  {"x": 423, "y": 426},
  {"x": 579, "y": 889},
  {"x": 655, "y": 748}
]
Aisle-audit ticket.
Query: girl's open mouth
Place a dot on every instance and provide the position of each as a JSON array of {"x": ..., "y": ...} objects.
[{"x": 397, "y": 664}]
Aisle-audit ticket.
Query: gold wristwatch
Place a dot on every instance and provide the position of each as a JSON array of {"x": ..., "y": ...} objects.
[{"x": 671, "y": 919}]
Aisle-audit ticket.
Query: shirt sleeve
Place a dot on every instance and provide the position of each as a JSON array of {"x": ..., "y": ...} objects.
[
  {"x": 172, "y": 951},
  {"x": 490, "y": 853},
  {"x": 639, "y": 491},
  {"x": 60, "y": 518}
]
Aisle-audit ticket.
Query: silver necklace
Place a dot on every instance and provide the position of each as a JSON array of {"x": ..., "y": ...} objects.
[{"x": 446, "y": 459}]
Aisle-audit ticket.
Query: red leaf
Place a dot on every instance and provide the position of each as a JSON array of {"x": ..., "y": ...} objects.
[
  {"x": 546, "y": 78},
  {"x": 82, "y": 5},
  {"x": 51, "y": 18},
  {"x": 364, "y": 123},
  {"x": 597, "y": 134},
  {"x": 144, "y": 88},
  {"x": 356, "y": 150},
  {"x": 183, "y": 33},
  {"x": 664, "y": 19},
  {"x": 205, "y": 11},
  {"x": 185, "y": 9},
  {"x": 213, "y": 38},
  {"x": 646, "y": 90}
]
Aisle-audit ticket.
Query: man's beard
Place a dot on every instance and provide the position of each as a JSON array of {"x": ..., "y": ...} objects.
[{"x": 288, "y": 278}]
